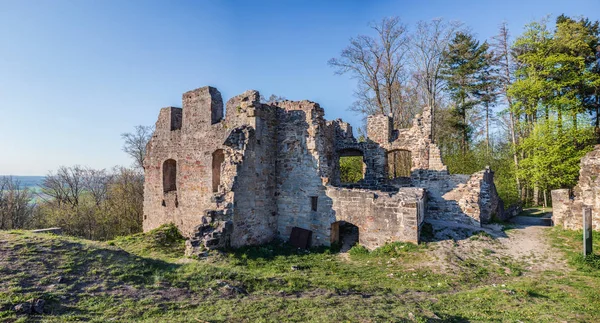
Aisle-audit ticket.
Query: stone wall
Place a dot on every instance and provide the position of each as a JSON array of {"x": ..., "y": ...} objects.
[
  {"x": 416, "y": 139},
  {"x": 247, "y": 179},
  {"x": 380, "y": 217},
  {"x": 304, "y": 151},
  {"x": 251, "y": 173},
  {"x": 468, "y": 199},
  {"x": 568, "y": 212}
]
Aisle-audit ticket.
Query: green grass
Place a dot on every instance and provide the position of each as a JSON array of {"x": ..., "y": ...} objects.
[{"x": 145, "y": 278}]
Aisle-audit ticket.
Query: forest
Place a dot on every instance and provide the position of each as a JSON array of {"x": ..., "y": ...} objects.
[{"x": 526, "y": 105}]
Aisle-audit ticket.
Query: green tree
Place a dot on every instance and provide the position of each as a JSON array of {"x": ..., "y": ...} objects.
[
  {"x": 554, "y": 154},
  {"x": 351, "y": 169},
  {"x": 465, "y": 60}
]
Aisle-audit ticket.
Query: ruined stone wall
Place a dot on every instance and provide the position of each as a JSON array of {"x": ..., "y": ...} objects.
[
  {"x": 254, "y": 188},
  {"x": 304, "y": 150},
  {"x": 250, "y": 174},
  {"x": 416, "y": 139},
  {"x": 380, "y": 217},
  {"x": 468, "y": 199},
  {"x": 568, "y": 212},
  {"x": 191, "y": 142}
]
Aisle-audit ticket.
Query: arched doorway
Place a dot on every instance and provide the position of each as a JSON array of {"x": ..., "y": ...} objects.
[
  {"x": 399, "y": 163},
  {"x": 345, "y": 234}
]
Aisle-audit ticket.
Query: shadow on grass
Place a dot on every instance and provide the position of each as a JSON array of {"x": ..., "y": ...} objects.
[{"x": 277, "y": 248}]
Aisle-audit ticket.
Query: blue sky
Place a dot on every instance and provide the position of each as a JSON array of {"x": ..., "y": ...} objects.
[{"x": 74, "y": 75}]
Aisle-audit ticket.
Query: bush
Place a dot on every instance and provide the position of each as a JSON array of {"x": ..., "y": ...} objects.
[
  {"x": 358, "y": 250},
  {"x": 395, "y": 249}
]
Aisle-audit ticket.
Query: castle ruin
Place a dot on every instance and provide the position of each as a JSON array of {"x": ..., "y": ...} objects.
[{"x": 256, "y": 171}]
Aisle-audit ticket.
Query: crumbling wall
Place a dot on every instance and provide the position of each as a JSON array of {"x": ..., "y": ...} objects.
[
  {"x": 254, "y": 188},
  {"x": 251, "y": 173},
  {"x": 381, "y": 217},
  {"x": 416, "y": 139},
  {"x": 191, "y": 140},
  {"x": 468, "y": 199},
  {"x": 568, "y": 212},
  {"x": 304, "y": 150}
]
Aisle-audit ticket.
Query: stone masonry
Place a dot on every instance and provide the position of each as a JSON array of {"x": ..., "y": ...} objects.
[
  {"x": 249, "y": 173},
  {"x": 567, "y": 210}
]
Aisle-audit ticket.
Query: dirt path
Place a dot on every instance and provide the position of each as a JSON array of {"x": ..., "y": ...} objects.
[
  {"x": 529, "y": 243},
  {"x": 525, "y": 244}
]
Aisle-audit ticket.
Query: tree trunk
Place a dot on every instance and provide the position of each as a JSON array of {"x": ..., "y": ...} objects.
[
  {"x": 515, "y": 153},
  {"x": 560, "y": 120},
  {"x": 487, "y": 129}
]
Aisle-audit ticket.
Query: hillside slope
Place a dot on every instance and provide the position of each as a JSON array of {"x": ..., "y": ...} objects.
[{"x": 145, "y": 278}]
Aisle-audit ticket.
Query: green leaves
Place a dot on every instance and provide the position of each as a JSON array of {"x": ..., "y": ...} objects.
[
  {"x": 554, "y": 153},
  {"x": 465, "y": 64}
]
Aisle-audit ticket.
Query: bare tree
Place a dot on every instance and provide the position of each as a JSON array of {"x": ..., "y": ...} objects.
[
  {"x": 428, "y": 45},
  {"x": 95, "y": 204},
  {"x": 135, "y": 144},
  {"x": 96, "y": 183},
  {"x": 65, "y": 187},
  {"x": 16, "y": 204},
  {"x": 272, "y": 99},
  {"x": 503, "y": 57},
  {"x": 378, "y": 63}
]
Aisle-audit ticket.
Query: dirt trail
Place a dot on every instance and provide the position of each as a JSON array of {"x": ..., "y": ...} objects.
[
  {"x": 529, "y": 243},
  {"x": 523, "y": 243}
]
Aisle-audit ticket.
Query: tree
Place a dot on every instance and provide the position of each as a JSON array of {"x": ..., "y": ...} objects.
[
  {"x": 378, "y": 65},
  {"x": 553, "y": 158},
  {"x": 135, "y": 144},
  {"x": 428, "y": 47},
  {"x": 486, "y": 92},
  {"x": 501, "y": 49},
  {"x": 16, "y": 204},
  {"x": 94, "y": 204},
  {"x": 272, "y": 99},
  {"x": 555, "y": 79},
  {"x": 465, "y": 60}
]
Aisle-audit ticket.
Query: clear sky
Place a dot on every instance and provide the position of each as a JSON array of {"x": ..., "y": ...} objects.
[{"x": 74, "y": 75}]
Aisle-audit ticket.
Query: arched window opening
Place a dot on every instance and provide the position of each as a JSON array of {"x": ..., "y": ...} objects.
[
  {"x": 352, "y": 166},
  {"x": 399, "y": 163},
  {"x": 170, "y": 175},
  {"x": 217, "y": 161}
]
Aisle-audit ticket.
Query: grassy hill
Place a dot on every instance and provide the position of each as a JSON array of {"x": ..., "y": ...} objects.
[{"x": 145, "y": 278}]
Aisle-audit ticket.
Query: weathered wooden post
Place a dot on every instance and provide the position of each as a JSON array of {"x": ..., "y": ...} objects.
[{"x": 587, "y": 230}]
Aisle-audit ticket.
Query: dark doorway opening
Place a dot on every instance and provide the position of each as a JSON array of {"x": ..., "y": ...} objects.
[
  {"x": 344, "y": 234},
  {"x": 217, "y": 161},
  {"x": 169, "y": 175}
]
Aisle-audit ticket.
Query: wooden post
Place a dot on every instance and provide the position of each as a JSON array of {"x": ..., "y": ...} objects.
[{"x": 587, "y": 230}]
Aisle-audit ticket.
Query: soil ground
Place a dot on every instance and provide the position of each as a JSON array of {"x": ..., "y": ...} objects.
[{"x": 513, "y": 272}]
